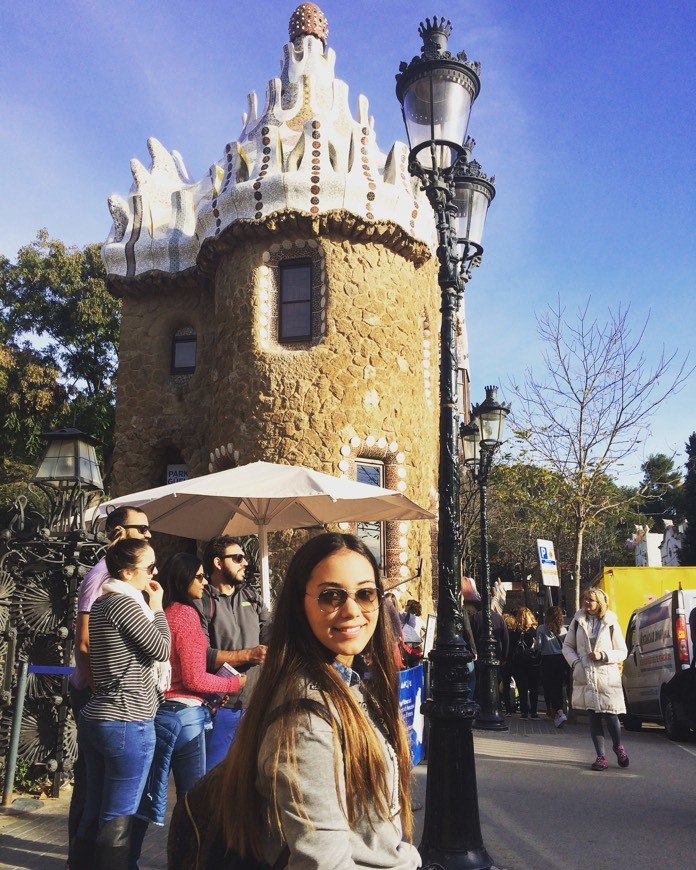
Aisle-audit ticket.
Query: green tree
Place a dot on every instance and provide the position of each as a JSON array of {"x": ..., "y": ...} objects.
[
  {"x": 687, "y": 554},
  {"x": 56, "y": 297},
  {"x": 660, "y": 489},
  {"x": 31, "y": 400},
  {"x": 528, "y": 502},
  {"x": 590, "y": 409}
]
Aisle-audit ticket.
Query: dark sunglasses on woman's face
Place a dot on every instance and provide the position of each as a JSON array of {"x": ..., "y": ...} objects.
[
  {"x": 236, "y": 557},
  {"x": 367, "y": 598}
]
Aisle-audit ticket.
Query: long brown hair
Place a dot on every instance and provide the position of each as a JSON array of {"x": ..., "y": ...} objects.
[
  {"x": 525, "y": 619},
  {"x": 294, "y": 656},
  {"x": 553, "y": 619}
]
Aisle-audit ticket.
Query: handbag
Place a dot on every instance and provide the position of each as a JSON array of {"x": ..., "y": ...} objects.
[{"x": 524, "y": 655}]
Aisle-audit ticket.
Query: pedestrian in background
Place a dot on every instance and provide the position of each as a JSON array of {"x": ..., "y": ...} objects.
[
  {"x": 549, "y": 642},
  {"x": 509, "y": 696},
  {"x": 391, "y": 611},
  {"x": 500, "y": 636},
  {"x": 412, "y": 622},
  {"x": 237, "y": 623},
  {"x": 594, "y": 648},
  {"x": 525, "y": 660}
]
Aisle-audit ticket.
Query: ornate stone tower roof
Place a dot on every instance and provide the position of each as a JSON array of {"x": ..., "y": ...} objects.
[{"x": 304, "y": 153}]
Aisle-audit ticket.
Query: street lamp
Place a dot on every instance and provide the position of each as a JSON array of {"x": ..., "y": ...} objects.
[
  {"x": 480, "y": 439},
  {"x": 436, "y": 92},
  {"x": 69, "y": 475}
]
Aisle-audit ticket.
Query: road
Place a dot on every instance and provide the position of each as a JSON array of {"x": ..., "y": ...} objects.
[{"x": 542, "y": 808}]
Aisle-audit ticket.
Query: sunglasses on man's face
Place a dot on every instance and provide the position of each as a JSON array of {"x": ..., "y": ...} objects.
[
  {"x": 367, "y": 598},
  {"x": 236, "y": 557},
  {"x": 141, "y": 529}
]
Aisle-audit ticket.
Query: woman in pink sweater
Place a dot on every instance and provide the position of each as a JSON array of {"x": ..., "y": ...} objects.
[{"x": 184, "y": 715}]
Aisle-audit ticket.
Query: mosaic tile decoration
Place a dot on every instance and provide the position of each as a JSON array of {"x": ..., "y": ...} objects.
[{"x": 304, "y": 153}]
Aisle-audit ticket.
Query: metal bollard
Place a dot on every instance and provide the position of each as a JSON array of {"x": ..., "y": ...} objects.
[{"x": 11, "y": 767}]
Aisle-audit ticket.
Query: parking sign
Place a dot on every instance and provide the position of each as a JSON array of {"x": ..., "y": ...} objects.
[{"x": 547, "y": 563}]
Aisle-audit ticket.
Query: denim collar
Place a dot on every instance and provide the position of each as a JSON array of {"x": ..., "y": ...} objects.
[{"x": 348, "y": 675}]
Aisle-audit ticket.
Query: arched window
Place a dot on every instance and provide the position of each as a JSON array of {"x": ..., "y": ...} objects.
[
  {"x": 184, "y": 346},
  {"x": 372, "y": 534}
]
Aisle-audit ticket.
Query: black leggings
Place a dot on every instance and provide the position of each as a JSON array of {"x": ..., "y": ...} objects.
[
  {"x": 597, "y": 731},
  {"x": 553, "y": 676}
]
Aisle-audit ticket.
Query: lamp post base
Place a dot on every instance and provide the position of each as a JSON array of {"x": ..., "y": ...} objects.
[
  {"x": 490, "y": 722},
  {"x": 490, "y": 717},
  {"x": 451, "y": 828}
]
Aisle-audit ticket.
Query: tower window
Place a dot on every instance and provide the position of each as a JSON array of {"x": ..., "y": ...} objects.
[
  {"x": 184, "y": 353},
  {"x": 295, "y": 301}
]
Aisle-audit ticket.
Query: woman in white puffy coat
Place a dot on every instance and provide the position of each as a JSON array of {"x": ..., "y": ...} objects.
[{"x": 594, "y": 648}]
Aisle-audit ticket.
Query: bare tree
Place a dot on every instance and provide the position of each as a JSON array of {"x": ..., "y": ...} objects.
[{"x": 592, "y": 407}]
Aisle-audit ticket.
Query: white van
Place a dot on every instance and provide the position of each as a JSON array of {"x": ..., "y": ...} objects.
[{"x": 659, "y": 678}]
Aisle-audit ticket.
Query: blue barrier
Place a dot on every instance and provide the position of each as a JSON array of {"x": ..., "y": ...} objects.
[
  {"x": 410, "y": 700},
  {"x": 50, "y": 669}
]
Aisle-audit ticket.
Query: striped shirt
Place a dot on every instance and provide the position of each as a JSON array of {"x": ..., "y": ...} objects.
[{"x": 123, "y": 645}]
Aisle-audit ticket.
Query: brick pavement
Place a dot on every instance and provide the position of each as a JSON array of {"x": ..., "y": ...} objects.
[{"x": 34, "y": 833}]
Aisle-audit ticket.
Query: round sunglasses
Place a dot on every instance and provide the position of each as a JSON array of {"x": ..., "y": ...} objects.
[{"x": 367, "y": 598}]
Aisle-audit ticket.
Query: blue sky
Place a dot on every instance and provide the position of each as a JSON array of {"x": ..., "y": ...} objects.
[{"x": 586, "y": 117}]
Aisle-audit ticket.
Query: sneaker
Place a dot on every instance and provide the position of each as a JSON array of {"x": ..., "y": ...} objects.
[
  {"x": 600, "y": 763},
  {"x": 621, "y": 756},
  {"x": 524, "y": 716},
  {"x": 534, "y": 716},
  {"x": 560, "y": 719}
]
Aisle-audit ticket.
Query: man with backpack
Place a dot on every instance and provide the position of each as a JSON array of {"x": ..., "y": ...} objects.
[{"x": 237, "y": 624}]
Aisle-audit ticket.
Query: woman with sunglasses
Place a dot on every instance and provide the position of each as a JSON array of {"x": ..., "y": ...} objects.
[
  {"x": 129, "y": 644},
  {"x": 184, "y": 716},
  {"x": 320, "y": 765}
]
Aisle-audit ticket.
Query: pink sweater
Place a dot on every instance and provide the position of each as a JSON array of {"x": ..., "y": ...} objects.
[{"x": 187, "y": 658}]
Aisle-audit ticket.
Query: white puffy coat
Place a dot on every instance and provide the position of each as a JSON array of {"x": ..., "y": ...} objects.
[{"x": 596, "y": 685}]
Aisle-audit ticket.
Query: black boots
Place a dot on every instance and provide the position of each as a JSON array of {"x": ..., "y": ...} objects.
[{"x": 113, "y": 844}]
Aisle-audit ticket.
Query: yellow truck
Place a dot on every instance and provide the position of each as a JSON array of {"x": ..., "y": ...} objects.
[{"x": 630, "y": 587}]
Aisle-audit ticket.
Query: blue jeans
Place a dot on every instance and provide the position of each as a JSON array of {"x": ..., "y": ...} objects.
[
  {"x": 118, "y": 757},
  {"x": 219, "y": 739},
  {"x": 180, "y": 747}
]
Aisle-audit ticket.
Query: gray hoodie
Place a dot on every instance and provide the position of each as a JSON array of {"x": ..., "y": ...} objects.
[{"x": 326, "y": 841}]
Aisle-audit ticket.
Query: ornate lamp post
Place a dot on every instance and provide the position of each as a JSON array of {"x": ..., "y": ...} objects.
[
  {"x": 480, "y": 439},
  {"x": 436, "y": 92},
  {"x": 43, "y": 556}
]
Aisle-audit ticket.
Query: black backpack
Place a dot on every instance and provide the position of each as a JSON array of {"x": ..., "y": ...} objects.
[{"x": 195, "y": 840}]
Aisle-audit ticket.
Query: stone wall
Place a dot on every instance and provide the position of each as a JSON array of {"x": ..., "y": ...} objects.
[
  {"x": 363, "y": 388},
  {"x": 161, "y": 417}
]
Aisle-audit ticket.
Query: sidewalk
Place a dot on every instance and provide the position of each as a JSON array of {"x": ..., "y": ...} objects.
[{"x": 33, "y": 833}]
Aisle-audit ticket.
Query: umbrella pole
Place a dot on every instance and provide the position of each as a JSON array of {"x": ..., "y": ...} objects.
[{"x": 265, "y": 573}]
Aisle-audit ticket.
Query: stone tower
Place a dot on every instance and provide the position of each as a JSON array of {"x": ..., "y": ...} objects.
[{"x": 285, "y": 307}]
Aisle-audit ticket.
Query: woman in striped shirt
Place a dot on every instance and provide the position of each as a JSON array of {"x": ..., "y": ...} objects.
[{"x": 128, "y": 637}]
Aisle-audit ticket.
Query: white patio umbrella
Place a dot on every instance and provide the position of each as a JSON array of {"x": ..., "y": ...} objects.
[{"x": 265, "y": 497}]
